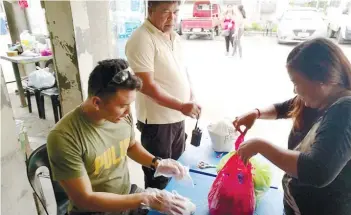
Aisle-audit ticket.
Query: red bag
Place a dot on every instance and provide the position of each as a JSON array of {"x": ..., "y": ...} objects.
[
  {"x": 232, "y": 192},
  {"x": 240, "y": 140},
  {"x": 23, "y": 3}
]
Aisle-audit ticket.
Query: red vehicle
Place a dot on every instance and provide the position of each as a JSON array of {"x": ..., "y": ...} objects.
[{"x": 205, "y": 20}]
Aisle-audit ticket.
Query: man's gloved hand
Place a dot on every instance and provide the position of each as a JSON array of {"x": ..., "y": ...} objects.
[
  {"x": 171, "y": 168},
  {"x": 167, "y": 203}
]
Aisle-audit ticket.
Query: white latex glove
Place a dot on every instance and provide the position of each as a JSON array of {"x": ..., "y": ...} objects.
[
  {"x": 190, "y": 207},
  {"x": 167, "y": 203},
  {"x": 171, "y": 168}
]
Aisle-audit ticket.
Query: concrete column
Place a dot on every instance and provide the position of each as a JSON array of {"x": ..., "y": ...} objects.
[
  {"x": 63, "y": 41},
  {"x": 16, "y": 193},
  {"x": 81, "y": 36},
  {"x": 93, "y": 35}
]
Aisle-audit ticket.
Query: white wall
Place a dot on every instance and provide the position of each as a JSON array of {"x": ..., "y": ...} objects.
[
  {"x": 36, "y": 17},
  {"x": 95, "y": 39},
  {"x": 93, "y": 36}
]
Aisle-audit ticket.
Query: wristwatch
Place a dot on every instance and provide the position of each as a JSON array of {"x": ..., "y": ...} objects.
[{"x": 153, "y": 162}]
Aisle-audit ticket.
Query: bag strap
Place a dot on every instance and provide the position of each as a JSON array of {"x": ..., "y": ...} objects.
[{"x": 240, "y": 139}]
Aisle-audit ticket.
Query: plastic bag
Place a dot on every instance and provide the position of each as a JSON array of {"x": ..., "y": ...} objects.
[
  {"x": 163, "y": 170},
  {"x": 261, "y": 174},
  {"x": 224, "y": 160},
  {"x": 225, "y": 33},
  {"x": 238, "y": 141},
  {"x": 261, "y": 171},
  {"x": 27, "y": 39},
  {"x": 262, "y": 177},
  {"x": 41, "y": 78},
  {"x": 232, "y": 192}
]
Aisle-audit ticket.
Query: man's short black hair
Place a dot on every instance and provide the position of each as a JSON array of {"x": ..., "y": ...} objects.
[
  {"x": 101, "y": 78},
  {"x": 153, "y": 4}
]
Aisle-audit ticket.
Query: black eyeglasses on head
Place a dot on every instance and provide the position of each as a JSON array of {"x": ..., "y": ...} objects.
[{"x": 119, "y": 78}]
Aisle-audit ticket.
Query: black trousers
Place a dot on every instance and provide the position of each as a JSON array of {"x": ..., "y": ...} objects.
[
  {"x": 164, "y": 141},
  {"x": 229, "y": 40}
]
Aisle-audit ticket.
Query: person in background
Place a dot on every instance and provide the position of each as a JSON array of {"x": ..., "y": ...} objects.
[
  {"x": 228, "y": 26},
  {"x": 155, "y": 54},
  {"x": 318, "y": 170},
  {"x": 268, "y": 28},
  {"x": 303, "y": 118},
  {"x": 88, "y": 150},
  {"x": 239, "y": 20}
]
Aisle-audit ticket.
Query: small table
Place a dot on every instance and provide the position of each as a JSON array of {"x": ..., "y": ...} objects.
[
  {"x": 23, "y": 60},
  {"x": 271, "y": 203}
]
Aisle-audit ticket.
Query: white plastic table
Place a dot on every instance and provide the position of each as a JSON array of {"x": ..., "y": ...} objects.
[{"x": 23, "y": 60}]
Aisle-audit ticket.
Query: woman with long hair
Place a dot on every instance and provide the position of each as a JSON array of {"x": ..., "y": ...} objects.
[
  {"x": 239, "y": 19},
  {"x": 228, "y": 26},
  {"x": 317, "y": 164}
]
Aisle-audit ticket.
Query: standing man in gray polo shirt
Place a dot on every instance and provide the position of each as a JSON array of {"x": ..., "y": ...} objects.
[{"x": 154, "y": 52}]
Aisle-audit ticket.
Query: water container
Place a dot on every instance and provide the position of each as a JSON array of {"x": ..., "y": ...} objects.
[{"x": 223, "y": 135}]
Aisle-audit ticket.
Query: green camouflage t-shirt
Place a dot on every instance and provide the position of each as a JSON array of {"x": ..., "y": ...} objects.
[{"x": 77, "y": 147}]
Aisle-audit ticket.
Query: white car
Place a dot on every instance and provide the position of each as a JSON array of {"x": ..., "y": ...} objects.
[
  {"x": 339, "y": 22},
  {"x": 343, "y": 35},
  {"x": 297, "y": 25}
]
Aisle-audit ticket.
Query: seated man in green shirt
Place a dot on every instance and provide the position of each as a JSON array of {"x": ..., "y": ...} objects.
[{"x": 88, "y": 150}]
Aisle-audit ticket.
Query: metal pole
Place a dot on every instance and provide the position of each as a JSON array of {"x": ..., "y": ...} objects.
[{"x": 19, "y": 84}]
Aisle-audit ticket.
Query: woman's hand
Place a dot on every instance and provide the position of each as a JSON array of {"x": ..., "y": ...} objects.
[
  {"x": 284, "y": 159},
  {"x": 250, "y": 148},
  {"x": 246, "y": 120}
]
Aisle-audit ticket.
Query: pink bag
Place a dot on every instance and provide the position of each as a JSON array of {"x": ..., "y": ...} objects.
[{"x": 232, "y": 192}]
